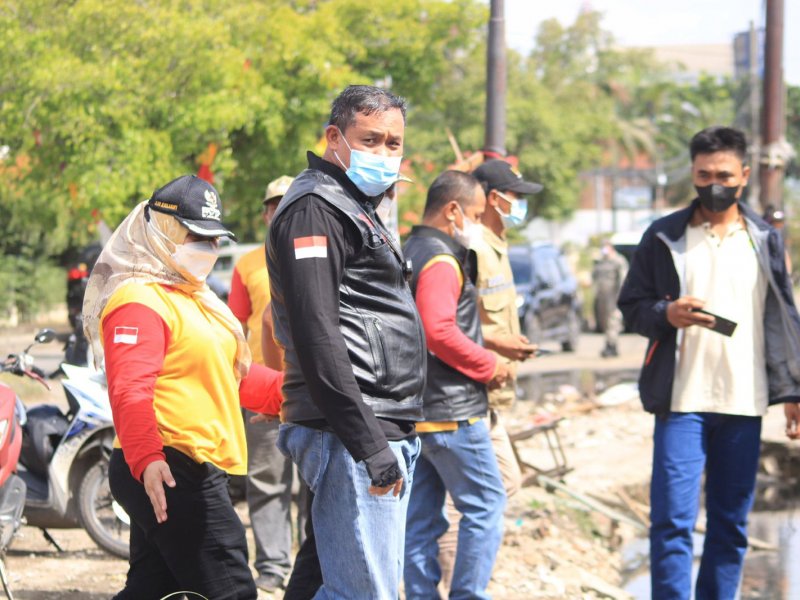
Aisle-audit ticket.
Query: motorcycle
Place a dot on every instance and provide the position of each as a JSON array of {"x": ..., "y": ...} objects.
[
  {"x": 64, "y": 457},
  {"x": 12, "y": 487}
]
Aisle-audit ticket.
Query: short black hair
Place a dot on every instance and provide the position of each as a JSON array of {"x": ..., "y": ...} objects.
[
  {"x": 448, "y": 186},
  {"x": 365, "y": 100},
  {"x": 719, "y": 139}
]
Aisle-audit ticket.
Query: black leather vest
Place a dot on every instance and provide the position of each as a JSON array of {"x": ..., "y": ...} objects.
[
  {"x": 449, "y": 394},
  {"x": 377, "y": 315}
]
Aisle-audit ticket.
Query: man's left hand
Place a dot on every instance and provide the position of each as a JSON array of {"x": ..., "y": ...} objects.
[{"x": 513, "y": 347}]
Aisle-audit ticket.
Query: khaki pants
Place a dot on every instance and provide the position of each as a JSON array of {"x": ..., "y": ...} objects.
[{"x": 512, "y": 481}]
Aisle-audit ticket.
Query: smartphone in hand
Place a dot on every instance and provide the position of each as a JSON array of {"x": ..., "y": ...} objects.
[{"x": 721, "y": 324}]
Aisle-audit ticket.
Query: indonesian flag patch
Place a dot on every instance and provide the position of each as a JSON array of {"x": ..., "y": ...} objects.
[
  {"x": 126, "y": 335},
  {"x": 313, "y": 246}
]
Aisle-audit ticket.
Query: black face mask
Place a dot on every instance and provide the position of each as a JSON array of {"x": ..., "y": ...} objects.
[{"x": 716, "y": 197}]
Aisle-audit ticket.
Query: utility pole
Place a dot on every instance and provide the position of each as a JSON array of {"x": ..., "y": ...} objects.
[
  {"x": 755, "y": 122},
  {"x": 494, "y": 145},
  {"x": 773, "y": 159}
]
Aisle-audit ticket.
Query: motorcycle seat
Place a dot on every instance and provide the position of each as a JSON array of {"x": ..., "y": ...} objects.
[{"x": 41, "y": 434}]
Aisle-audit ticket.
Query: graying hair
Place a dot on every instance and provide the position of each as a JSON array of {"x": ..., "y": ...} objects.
[{"x": 365, "y": 100}]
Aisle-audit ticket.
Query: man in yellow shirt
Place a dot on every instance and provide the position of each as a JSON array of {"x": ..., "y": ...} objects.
[
  {"x": 505, "y": 208},
  {"x": 269, "y": 473}
]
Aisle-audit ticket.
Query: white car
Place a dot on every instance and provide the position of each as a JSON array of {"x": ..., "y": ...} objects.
[{"x": 229, "y": 254}]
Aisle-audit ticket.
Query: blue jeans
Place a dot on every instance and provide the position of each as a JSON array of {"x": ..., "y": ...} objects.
[
  {"x": 463, "y": 463},
  {"x": 727, "y": 448},
  {"x": 359, "y": 537}
]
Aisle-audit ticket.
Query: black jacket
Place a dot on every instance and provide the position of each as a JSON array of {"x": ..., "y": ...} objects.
[
  {"x": 653, "y": 282},
  {"x": 377, "y": 317},
  {"x": 449, "y": 394}
]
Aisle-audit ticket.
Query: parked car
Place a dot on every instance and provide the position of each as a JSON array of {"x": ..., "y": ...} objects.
[{"x": 547, "y": 294}]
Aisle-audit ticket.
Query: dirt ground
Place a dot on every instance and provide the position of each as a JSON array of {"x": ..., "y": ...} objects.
[{"x": 554, "y": 547}]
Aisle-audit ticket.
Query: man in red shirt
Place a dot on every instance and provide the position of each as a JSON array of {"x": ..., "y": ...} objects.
[{"x": 457, "y": 454}]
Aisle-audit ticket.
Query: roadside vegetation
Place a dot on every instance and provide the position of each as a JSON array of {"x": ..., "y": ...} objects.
[{"x": 103, "y": 100}]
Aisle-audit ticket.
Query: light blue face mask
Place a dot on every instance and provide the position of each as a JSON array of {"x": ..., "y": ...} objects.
[
  {"x": 371, "y": 173},
  {"x": 519, "y": 210}
]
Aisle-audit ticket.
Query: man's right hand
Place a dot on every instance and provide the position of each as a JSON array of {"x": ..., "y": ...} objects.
[
  {"x": 382, "y": 491},
  {"x": 502, "y": 375},
  {"x": 155, "y": 475},
  {"x": 680, "y": 314},
  {"x": 384, "y": 473}
]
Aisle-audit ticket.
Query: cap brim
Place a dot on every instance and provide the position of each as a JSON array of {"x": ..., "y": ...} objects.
[
  {"x": 208, "y": 229},
  {"x": 525, "y": 187}
]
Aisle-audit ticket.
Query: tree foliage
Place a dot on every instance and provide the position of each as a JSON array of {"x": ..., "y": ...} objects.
[{"x": 101, "y": 101}]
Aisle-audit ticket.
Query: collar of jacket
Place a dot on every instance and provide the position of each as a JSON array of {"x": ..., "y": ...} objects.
[
  {"x": 320, "y": 164},
  {"x": 494, "y": 241},
  {"x": 674, "y": 225}
]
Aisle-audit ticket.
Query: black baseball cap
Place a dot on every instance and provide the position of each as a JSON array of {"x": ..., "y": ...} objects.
[
  {"x": 498, "y": 175},
  {"x": 194, "y": 203}
]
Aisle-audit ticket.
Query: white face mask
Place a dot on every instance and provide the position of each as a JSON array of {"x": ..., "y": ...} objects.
[
  {"x": 472, "y": 233},
  {"x": 197, "y": 258}
]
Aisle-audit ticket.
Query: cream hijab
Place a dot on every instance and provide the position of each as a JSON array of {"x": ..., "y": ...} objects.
[{"x": 140, "y": 251}]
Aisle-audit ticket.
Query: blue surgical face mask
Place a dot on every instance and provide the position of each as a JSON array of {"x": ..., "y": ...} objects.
[
  {"x": 519, "y": 210},
  {"x": 371, "y": 173}
]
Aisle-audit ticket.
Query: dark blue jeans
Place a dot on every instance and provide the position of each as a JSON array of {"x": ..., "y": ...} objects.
[
  {"x": 685, "y": 445},
  {"x": 463, "y": 463}
]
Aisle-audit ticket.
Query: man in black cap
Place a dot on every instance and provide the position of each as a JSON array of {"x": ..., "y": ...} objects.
[{"x": 505, "y": 207}]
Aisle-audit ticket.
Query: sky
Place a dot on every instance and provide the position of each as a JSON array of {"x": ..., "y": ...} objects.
[{"x": 659, "y": 22}]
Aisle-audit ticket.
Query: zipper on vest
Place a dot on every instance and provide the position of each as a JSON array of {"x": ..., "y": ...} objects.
[{"x": 378, "y": 349}]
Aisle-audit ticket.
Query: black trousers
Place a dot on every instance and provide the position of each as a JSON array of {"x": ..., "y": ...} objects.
[{"x": 200, "y": 548}]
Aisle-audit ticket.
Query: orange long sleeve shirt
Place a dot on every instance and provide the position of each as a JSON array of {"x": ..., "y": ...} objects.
[{"x": 171, "y": 381}]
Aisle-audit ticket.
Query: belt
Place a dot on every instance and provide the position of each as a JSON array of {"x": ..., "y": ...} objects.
[{"x": 436, "y": 426}]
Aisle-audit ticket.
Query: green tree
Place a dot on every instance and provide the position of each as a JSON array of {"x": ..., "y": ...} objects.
[
  {"x": 103, "y": 100},
  {"x": 106, "y": 99}
]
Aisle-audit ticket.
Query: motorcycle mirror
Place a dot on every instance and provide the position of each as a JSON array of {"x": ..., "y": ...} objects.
[{"x": 44, "y": 336}]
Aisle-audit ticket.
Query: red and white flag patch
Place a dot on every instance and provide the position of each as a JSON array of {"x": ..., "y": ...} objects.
[
  {"x": 126, "y": 335},
  {"x": 313, "y": 246}
]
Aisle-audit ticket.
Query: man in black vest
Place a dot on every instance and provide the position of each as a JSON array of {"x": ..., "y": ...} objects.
[
  {"x": 353, "y": 346},
  {"x": 457, "y": 453}
]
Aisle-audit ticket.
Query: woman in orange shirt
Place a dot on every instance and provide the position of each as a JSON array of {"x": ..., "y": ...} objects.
[{"x": 178, "y": 368}]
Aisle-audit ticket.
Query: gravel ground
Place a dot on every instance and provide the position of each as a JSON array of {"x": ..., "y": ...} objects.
[{"x": 553, "y": 547}]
